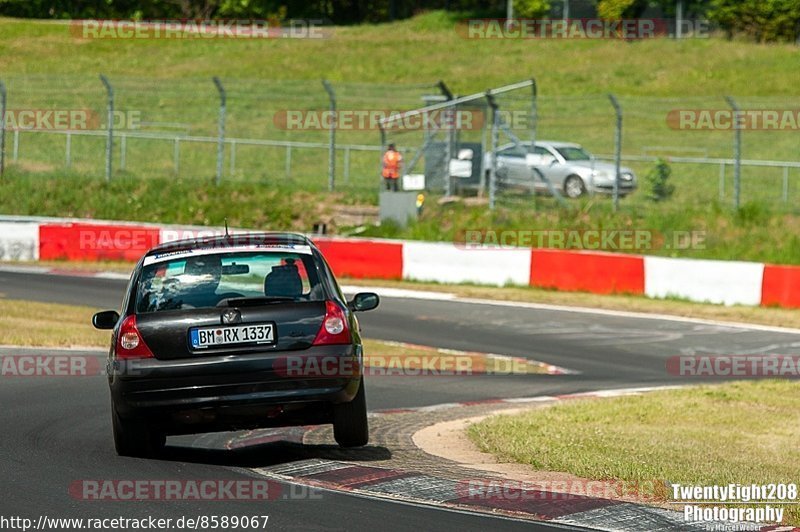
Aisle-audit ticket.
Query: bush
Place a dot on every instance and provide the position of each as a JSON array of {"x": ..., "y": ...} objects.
[
  {"x": 762, "y": 20},
  {"x": 656, "y": 178},
  {"x": 531, "y": 8},
  {"x": 618, "y": 9}
]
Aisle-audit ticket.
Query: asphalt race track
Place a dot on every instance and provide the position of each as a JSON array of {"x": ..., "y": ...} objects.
[{"x": 57, "y": 430}]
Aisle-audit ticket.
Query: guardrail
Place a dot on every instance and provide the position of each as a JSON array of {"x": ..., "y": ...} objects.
[{"x": 231, "y": 142}]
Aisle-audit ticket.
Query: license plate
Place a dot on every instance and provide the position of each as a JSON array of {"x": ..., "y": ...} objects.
[{"x": 202, "y": 337}]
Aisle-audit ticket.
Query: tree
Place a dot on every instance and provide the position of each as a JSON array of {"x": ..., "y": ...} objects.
[
  {"x": 763, "y": 20},
  {"x": 531, "y": 8}
]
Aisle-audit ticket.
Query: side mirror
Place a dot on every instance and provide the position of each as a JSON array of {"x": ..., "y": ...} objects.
[
  {"x": 364, "y": 301},
  {"x": 105, "y": 320}
]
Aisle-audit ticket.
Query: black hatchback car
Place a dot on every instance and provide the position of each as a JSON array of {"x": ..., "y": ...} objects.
[{"x": 234, "y": 332}]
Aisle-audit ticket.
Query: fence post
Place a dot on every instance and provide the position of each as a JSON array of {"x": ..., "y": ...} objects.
[
  {"x": 534, "y": 114},
  {"x": 722, "y": 181},
  {"x": 495, "y": 139},
  {"x": 3, "y": 96},
  {"x": 617, "y": 148},
  {"x": 332, "y": 135},
  {"x": 737, "y": 151},
  {"x": 288, "y": 161},
  {"x": 380, "y": 156},
  {"x": 15, "y": 152},
  {"x": 68, "y": 150},
  {"x": 447, "y": 119},
  {"x": 534, "y": 118},
  {"x": 110, "y": 125},
  {"x": 220, "y": 127}
]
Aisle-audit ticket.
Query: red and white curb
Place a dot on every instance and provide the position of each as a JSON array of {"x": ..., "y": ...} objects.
[
  {"x": 715, "y": 281},
  {"x": 516, "y": 502},
  {"x": 408, "y": 293}
]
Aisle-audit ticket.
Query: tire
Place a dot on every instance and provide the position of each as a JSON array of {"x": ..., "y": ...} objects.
[
  {"x": 350, "y": 426},
  {"x": 133, "y": 437},
  {"x": 574, "y": 187}
]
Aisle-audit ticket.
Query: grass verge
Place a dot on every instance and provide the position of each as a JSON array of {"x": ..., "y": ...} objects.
[
  {"x": 31, "y": 324},
  {"x": 27, "y": 323},
  {"x": 741, "y": 432}
]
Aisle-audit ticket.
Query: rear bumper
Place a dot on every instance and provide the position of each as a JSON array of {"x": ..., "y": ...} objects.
[{"x": 239, "y": 388}]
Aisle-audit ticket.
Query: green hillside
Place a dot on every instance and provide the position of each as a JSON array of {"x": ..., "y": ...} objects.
[{"x": 390, "y": 67}]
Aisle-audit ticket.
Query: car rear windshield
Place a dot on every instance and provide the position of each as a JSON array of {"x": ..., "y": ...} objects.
[{"x": 205, "y": 280}]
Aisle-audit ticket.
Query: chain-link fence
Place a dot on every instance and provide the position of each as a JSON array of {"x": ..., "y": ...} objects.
[
  {"x": 274, "y": 131},
  {"x": 284, "y": 132}
]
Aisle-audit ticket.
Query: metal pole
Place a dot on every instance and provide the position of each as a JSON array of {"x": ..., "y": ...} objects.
[
  {"x": 447, "y": 118},
  {"x": 15, "y": 152},
  {"x": 565, "y": 11},
  {"x": 482, "y": 177},
  {"x": 3, "y": 98},
  {"x": 721, "y": 182},
  {"x": 68, "y": 154},
  {"x": 495, "y": 139},
  {"x": 221, "y": 127},
  {"x": 383, "y": 150},
  {"x": 110, "y": 125},
  {"x": 679, "y": 19},
  {"x": 737, "y": 151},
  {"x": 617, "y": 148},
  {"x": 332, "y": 134},
  {"x": 534, "y": 115},
  {"x": 445, "y": 90}
]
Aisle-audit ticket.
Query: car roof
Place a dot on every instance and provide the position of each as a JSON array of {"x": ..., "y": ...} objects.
[
  {"x": 234, "y": 240},
  {"x": 548, "y": 143}
]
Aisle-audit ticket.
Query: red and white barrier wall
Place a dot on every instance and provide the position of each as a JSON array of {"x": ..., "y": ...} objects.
[{"x": 714, "y": 281}]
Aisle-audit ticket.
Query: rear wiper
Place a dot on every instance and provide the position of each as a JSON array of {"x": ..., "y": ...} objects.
[{"x": 252, "y": 301}]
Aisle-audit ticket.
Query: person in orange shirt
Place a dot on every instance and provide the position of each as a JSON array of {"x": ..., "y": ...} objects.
[{"x": 392, "y": 162}]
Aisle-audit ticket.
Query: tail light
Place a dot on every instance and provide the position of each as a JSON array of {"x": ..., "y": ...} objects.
[
  {"x": 130, "y": 343},
  {"x": 334, "y": 329}
]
